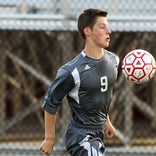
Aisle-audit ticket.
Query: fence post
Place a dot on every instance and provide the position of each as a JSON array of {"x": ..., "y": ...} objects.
[
  {"x": 128, "y": 113},
  {"x": 2, "y": 86}
]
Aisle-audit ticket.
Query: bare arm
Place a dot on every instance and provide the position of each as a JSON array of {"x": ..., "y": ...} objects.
[
  {"x": 49, "y": 141},
  {"x": 110, "y": 130}
]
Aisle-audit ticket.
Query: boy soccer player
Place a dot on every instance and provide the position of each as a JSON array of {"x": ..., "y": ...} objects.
[{"x": 87, "y": 80}]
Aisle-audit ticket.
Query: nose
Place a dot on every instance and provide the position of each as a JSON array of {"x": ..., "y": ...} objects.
[{"x": 108, "y": 30}]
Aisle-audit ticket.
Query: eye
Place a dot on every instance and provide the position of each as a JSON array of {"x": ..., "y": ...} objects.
[{"x": 102, "y": 26}]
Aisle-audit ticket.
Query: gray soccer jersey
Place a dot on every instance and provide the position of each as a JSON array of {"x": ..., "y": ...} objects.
[{"x": 88, "y": 84}]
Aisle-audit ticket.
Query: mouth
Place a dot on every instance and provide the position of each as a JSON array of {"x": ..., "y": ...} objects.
[{"x": 108, "y": 39}]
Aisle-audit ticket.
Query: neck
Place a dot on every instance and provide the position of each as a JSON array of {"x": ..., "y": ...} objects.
[{"x": 95, "y": 53}]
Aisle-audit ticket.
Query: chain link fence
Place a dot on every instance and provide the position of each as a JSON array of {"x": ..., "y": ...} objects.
[{"x": 36, "y": 38}]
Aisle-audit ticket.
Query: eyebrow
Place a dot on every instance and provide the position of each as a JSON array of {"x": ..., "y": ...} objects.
[{"x": 103, "y": 24}]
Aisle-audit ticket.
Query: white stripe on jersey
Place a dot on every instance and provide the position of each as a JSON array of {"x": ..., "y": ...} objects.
[
  {"x": 92, "y": 151},
  {"x": 74, "y": 92},
  {"x": 83, "y": 54}
]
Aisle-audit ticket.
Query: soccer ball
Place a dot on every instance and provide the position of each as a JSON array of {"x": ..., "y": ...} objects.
[{"x": 138, "y": 66}]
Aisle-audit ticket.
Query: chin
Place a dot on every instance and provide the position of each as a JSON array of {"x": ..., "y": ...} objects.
[{"x": 106, "y": 45}]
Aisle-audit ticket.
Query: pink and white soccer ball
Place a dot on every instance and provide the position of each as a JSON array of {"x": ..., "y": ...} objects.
[{"x": 138, "y": 66}]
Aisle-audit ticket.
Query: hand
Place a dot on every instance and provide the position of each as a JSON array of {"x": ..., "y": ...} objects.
[
  {"x": 47, "y": 146},
  {"x": 110, "y": 130}
]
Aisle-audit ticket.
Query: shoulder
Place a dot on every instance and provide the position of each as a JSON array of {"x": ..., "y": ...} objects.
[
  {"x": 75, "y": 62},
  {"x": 114, "y": 57},
  {"x": 68, "y": 68}
]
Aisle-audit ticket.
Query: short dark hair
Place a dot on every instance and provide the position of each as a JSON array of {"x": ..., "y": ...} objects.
[{"x": 88, "y": 18}]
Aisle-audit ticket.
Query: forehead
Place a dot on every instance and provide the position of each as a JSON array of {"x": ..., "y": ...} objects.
[{"x": 101, "y": 20}]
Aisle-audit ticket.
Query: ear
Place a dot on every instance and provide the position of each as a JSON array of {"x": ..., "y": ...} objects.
[{"x": 86, "y": 31}]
